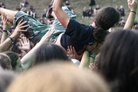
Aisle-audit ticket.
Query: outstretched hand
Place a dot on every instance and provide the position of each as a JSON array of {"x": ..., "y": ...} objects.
[
  {"x": 132, "y": 4},
  {"x": 25, "y": 44},
  {"x": 47, "y": 36},
  {"x": 4, "y": 21},
  {"x": 20, "y": 27},
  {"x": 72, "y": 53}
]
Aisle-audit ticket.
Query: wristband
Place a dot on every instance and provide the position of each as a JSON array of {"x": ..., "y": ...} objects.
[
  {"x": 133, "y": 12},
  {"x": 92, "y": 55},
  {"x": 12, "y": 41},
  {"x": 5, "y": 31},
  {"x": 88, "y": 52}
]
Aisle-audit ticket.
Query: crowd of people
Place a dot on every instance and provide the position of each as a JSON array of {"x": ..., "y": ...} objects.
[{"x": 65, "y": 55}]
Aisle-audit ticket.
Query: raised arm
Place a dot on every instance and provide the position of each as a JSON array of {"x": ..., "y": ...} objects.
[
  {"x": 132, "y": 4},
  {"x": 30, "y": 56},
  {"x": 5, "y": 32},
  {"x": 60, "y": 14},
  {"x": 85, "y": 61},
  {"x": 8, "y": 42}
]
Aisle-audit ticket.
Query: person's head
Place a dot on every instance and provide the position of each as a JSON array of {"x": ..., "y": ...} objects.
[
  {"x": 63, "y": 77},
  {"x": 15, "y": 60},
  {"x": 6, "y": 77},
  {"x": 48, "y": 52},
  {"x": 5, "y": 62},
  {"x": 118, "y": 60},
  {"x": 104, "y": 19}
]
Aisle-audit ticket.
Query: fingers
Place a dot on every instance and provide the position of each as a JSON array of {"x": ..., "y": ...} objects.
[
  {"x": 74, "y": 51},
  {"x": 71, "y": 50},
  {"x": 131, "y": 2},
  {"x": 51, "y": 31},
  {"x": 20, "y": 40},
  {"x": 4, "y": 18},
  {"x": 25, "y": 40},
  {"x": 22, "y": 26},
  {"x": 22, "y": 23},
  {"x": 47, "y": 36},
  {"x": 22, "y": 30}
]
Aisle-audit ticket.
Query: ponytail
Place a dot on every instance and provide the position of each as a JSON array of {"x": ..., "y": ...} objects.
[{"x": 99, "y": 34}]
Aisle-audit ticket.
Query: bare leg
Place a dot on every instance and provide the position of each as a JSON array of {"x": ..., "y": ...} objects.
[{"x": 9, "y": 14}]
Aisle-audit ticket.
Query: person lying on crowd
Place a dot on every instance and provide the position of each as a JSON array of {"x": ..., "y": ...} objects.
[
  {"x": 88, "y": 57},
  {"x": 78, "y": 35},
  {"x": 34, "y": 36}
]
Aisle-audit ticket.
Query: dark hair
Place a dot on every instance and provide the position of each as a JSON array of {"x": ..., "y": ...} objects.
[
  {"x": 14, "y": 59},
  {"x": 118, "y": 61},
  {"x": 5, "y": 62},
  {"x": 47, "y": 52},
  {"x": 105, "y": 18}
]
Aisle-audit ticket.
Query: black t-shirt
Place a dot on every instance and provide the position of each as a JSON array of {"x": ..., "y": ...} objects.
[{"x": 77, "y": 35}]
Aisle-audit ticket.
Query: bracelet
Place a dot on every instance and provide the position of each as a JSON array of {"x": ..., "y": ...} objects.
[
  {"x": 12, "y": 41},
  {"x": 5, "y": 31},
  {"x": 92, "y": 55},
  {"x": 88, "y": 51},
  {"x": 133, "y": 12}
]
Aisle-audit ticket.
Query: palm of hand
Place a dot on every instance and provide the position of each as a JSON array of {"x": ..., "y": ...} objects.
[{"x": 25, "y": 44}]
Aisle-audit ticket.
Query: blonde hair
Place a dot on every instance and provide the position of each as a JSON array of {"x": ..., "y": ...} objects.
[{"x": 63, "y": 77}]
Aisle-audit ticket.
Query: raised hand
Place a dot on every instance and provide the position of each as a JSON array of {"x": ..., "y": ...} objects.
[
  {"x": 132, "y": 4},
  {"x": 46, "y": 37},
  {"x": 92, "y": 67},
  {"x": 20, "y": 27},
  {"x": 4, "y": 21},
  {"x": 72, "y": 53},
  {"x": 25, "y": 44}
]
